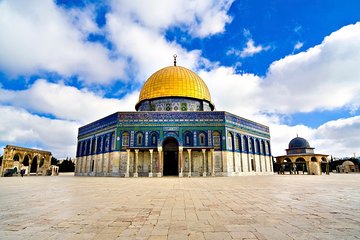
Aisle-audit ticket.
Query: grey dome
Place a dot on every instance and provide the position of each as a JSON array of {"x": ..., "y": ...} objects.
[{"x": 299, "y": 142}]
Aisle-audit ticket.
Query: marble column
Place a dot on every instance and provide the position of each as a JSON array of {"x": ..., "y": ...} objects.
[
  {"x": 189, "y": 153},
  {"x": 204, "y": 162},
  {"x": 29, "y": 168},
  {"x": 159, "y": 174},
  {"x": 180, "y": 161},
  {"x": 127, "y": 174},
  {"x": 212, "y": 162},
  {"x": 151, "y": 163},
  {"x": 136, "y": 162}
]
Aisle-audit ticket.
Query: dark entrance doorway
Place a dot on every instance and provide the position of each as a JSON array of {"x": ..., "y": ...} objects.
[{"x": 171, "y": 148}]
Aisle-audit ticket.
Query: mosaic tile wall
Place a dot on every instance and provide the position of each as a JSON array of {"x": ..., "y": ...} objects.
[{"x": 174, "y": 104}]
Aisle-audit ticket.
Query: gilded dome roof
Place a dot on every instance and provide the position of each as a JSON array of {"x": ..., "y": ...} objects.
[{"x": 174, "y": 81}]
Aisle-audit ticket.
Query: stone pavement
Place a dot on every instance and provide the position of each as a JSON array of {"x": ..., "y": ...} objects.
[{"x": 249, "y": 207}]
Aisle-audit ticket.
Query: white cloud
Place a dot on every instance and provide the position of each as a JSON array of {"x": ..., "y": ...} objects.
[
  {"x": 199, "y": 18},
  {"x": 138, "y": 33},
  {"x": 323, "y": 77},
  {"x": 19, "y": 127},
  {"x": 250, "y": 50},
  {"x": 39, "y": 36},
  {"x": 298, "y": 45},
  {"x": 20, "y": 124},
  {"x": 66, "y": 102}
]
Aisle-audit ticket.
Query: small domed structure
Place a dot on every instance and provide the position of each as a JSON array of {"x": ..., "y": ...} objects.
[
  {"x": 299, "y": 145},
  {"x": 299, "y": 142},
  {"x": 300, "y": 156}
]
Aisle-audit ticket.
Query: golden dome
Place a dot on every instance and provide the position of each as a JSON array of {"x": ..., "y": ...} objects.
[{"x": 174, "y": 81}]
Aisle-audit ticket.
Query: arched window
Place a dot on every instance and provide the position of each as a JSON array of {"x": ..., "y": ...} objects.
[
  {"x": 202, "y": 139},
  {"x": 216, "y": 139},
  {"x": 153, "y": 139},
  {"x": 187, "y": 139},
  {"x": 125, "y": 139},
  {"x": 139, "y": 139},
  {"x": 245, "y": 144},
  {"x": 230, "y": 140}
]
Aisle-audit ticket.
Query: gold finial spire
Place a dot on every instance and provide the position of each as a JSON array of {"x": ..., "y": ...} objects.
[{"x": 175, "y": 56}]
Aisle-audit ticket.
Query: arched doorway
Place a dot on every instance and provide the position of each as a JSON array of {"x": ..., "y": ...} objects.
[
  {"x": 33, "y": 167},
  {"x": 171, "y": 160},
  {"x": 301, "y": 165}
]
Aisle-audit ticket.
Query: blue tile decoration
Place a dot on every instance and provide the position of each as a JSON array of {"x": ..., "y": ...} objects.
[{"x": 254, "y": 137}]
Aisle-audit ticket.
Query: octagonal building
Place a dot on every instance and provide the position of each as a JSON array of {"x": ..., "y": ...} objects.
[{"x": 174, "y": 132}]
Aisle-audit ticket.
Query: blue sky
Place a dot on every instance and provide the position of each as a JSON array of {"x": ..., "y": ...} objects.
[{"x": 292, "y": 65}]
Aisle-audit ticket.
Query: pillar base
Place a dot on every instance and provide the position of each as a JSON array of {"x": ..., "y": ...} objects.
[
  {"x": 151, "y": 174},
  {"x": 136, "y": 175},
  {"x": 189, "y": 174},
  {"x": 181, "y": 174},
  {"x": 127, "y": 175},
  {"x": 213, "y": 174},
  {"x": 204, "y": 174},
  {"x": 159, "y": 174}
]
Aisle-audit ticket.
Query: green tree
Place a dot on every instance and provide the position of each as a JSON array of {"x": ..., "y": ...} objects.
[
  {"x": 54, "y": 161},
  {"x": 66, "y": 166}
]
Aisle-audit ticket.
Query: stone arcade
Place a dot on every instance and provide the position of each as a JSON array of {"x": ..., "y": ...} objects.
[
  {"x": 174, "y": 132},
  {"x": 31, "y": 160}
]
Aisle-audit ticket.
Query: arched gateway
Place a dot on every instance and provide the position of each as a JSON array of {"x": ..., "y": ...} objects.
[{"x": 171, "y": 157}]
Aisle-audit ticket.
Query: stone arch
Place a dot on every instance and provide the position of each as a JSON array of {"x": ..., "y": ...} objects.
[
  {"x": 173, "y": 135},
  {"x": 17, "y": 157},
  {"x": 24, "y": 158},
  {"x": 34, "y": 164},
  {"x": 170, "y": 147},
  {"x": 300, "y": 164}
]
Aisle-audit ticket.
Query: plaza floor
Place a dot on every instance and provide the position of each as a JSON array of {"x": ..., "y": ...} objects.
[{"x": 250, "y": 207}]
